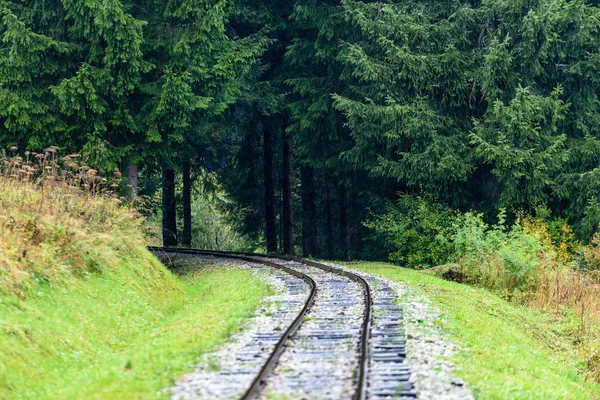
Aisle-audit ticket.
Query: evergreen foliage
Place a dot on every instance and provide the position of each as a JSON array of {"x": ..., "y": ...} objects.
[
  {"x": 473, "y": 104},
  {"x": 492, "y": 103}
]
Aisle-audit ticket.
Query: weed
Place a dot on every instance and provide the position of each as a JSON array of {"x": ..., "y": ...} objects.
[{"x": 54, "y": 211}]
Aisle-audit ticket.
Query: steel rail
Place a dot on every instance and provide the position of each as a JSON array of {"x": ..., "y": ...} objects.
[
  {"x": 363, "y": 365},
  {"x": 279, "y": 347}
]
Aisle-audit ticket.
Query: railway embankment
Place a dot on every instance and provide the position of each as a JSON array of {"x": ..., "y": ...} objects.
[
  {"x": 87, "y": 312},
  {"x": 500, "y": 350}
]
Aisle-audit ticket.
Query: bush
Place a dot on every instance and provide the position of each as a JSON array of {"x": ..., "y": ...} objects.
[
  {"x": 504, "y": 260},
  {"x": 420, "y": 233},
  {"x": 415, "y": 231},
  {"x": 590, "y": 254}
]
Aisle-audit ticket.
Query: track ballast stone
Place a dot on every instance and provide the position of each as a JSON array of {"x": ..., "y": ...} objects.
[
  {"x": 428, "y": 350},
  {"x": 321, "y": 359},
  {"x": 229, "y": 372},
  {"x": 389, "y": 374}
]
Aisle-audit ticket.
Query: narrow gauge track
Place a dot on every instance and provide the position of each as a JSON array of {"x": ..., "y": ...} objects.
[
  {"x": 365, "y": 331},
  {"x": 253, "y": 390},
  {"x": 363, "y": 362}
]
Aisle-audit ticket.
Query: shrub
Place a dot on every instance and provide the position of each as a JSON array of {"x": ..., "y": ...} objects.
[
  {"x": 554, "y": 233},
  {"x": 501, "y": 259},
  {"x": 590, "y": 254},
  {"x": 415, "y": 231}
]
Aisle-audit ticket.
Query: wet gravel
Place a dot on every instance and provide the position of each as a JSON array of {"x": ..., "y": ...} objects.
[
  {"x": 428, "y": 350},
  {"x": 389, "y": 374},
  {"x": 229, "y": 372},
  {"x": 321, "y": 359}
]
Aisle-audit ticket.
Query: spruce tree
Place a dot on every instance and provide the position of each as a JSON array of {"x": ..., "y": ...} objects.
[
  {"x": 317, "y": 128},
  {"x": 409, "y": 112}
]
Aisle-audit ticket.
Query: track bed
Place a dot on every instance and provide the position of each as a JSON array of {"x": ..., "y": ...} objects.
[{"x": 338, "y": 341}]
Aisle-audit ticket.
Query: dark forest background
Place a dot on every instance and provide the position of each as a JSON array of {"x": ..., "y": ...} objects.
[{"x": 335, "y": 129}]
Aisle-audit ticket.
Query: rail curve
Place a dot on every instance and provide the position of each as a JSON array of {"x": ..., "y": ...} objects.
[{"x": 363, "y": 362}]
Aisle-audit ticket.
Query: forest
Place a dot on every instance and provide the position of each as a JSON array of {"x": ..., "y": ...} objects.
[
  {"x": 336, "y": 129},
  {"x": 459, "y": 138}
]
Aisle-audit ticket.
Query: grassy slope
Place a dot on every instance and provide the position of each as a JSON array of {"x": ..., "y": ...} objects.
[
  {"x": 511, "y": 352},
  {"x": 110, "y": 337},
  {"x": 122, "y": 334},
  {"x": 87, "y": 312}
]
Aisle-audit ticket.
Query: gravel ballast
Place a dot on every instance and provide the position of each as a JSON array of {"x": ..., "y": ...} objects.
[
  {"x": 320, "y": 360},
  {"x": 229, "y": 372}
]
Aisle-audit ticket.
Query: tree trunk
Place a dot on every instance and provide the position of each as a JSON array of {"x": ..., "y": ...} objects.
[
  {"x": 270, "y": 220},
  {"x": 288, "y": 202},
  {"x": 251, "y": 189},
  {"x": 131, "y": 174},
  {"x": 345, "y": 221},
  {"x": 330, "y": 222},
  {"x": 186, "y": 237},
  {"x": 310, "y": 245},
  {"x": 280, "y": 198},
  {"x": 169, "y": 218}
]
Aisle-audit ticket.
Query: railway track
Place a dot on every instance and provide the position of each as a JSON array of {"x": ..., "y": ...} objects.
[{"x": 331, "y": 350}]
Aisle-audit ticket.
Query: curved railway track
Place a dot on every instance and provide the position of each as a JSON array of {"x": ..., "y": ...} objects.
[{"x": 365, "y": 387}]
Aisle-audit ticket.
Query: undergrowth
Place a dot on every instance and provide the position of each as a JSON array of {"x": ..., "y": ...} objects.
[
  {"x": 534, "y": 261},
  {"x": 56, "y": 213}
]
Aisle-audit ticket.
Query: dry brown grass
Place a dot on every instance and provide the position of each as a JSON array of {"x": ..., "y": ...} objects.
[
  {"x": 570, "y": 287},
  {"x": 55, "y": 212},
  {"x": 576, "y": 296}
]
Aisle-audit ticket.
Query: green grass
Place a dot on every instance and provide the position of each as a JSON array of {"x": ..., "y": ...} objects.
[
  {"x": 125, "y": 333},
  {"x": 86, "y": 312},
  {"x": 511, "y": 352}
]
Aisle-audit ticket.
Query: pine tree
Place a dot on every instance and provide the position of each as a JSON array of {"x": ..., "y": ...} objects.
[
  {"x": 69, "y": 70},
  {"x": 317, "y": 128},
  {"x": 199, "y": 67},
  {"x": 261, "y": 114},
  {"x": 522, "y": 142},
  {"x": 29, "y": 64},
  {"x": 548, "y": 47}
]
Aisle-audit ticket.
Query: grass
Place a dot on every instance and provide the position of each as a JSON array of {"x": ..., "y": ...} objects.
[
  {"x": 87, "y": 312},
  {"x": 511, "y": 351},
  {"x": 105, "y": 338}
]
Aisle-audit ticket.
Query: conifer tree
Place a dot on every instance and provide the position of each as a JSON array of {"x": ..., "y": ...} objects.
[
  {"x": 522, "y": 141},
  {"x": 409, "y": 113},
  {"x": 70, "y": 75},
  {"x": 29, "y": 64},
  {"x": 317, "y": 128},
  {"x": 198, "y": 69},
  {"x": 263, "y": 109}
]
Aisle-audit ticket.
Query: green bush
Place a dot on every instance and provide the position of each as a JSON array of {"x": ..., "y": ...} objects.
[
  {"x": 415, "y": 231},
  {"x": 502, "y": 259},
  {"x": 510, "y": 260},
  {"x": 420, "y": 234}
]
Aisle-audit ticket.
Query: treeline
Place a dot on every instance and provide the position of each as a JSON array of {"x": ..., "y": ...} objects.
[{"x": 315, "y": 114}]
